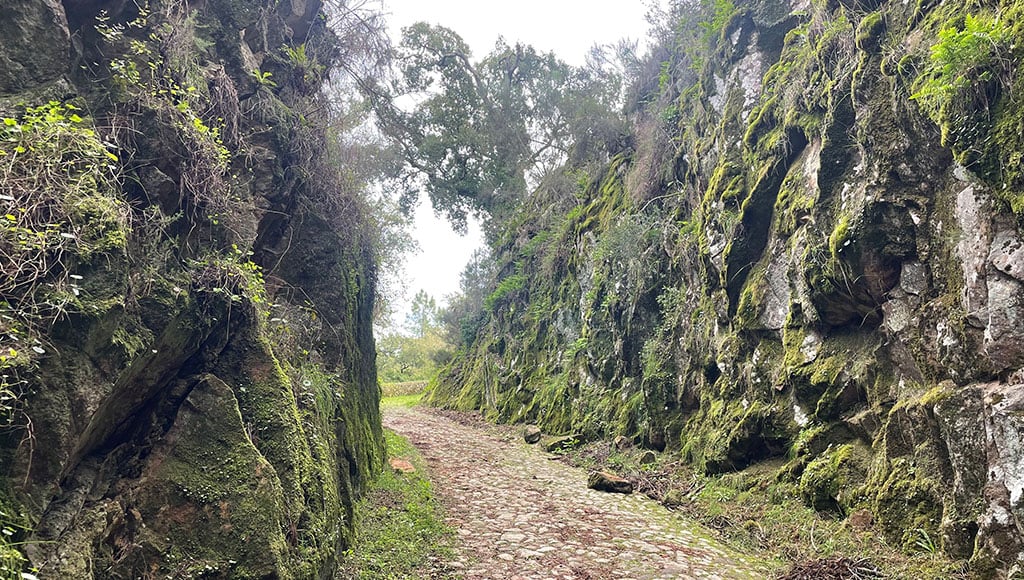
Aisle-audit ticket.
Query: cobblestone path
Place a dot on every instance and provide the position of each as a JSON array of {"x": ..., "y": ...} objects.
[{"x": 521, "y": 516}]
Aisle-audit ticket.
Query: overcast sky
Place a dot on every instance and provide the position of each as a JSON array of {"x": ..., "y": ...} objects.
[{"x": 567, "y": 27}]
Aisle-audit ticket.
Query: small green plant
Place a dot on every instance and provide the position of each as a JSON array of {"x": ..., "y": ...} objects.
[
  {"x": 14, "y": 527},
  {"x": 234, "y": 275},
  {"x": 263, "y": 78},
  {"x": 962, "y": 58},
  {"x": 297, "y": 55},
  {"x": 506, "y": 287},
  {"x": 924, "y": 542},
  {"x": 717, "y": 15}
]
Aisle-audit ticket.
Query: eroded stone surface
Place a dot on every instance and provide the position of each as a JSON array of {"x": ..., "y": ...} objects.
[{"x": 519, "y": 515}]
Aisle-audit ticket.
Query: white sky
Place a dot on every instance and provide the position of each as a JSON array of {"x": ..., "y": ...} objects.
[{"x": 567, "y": 27}]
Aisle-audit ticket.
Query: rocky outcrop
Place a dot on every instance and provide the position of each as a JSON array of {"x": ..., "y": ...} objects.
[
  {"x": 37, "y": 44},
  {"x": 188, "y": 345},
  {"x": 811, "y": 252}
]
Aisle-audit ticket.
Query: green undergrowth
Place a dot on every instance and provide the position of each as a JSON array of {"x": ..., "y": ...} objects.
[
  {"x": 400, "y": 532},
  {"x": 410, "y": 400},
  {"x": 759, "y": 512}
]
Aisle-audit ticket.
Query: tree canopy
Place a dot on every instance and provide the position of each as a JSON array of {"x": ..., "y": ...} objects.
[{"x": 474, "y": 135}]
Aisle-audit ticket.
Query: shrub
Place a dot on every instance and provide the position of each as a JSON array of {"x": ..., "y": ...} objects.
[
  {"x": 961, "y": 60},
  {"x": 59, "y": 192}
]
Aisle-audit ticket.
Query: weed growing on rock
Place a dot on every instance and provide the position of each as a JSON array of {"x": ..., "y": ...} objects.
[
  {"x": 59, "y": 211},
  {"x": 963, "y": 57}
]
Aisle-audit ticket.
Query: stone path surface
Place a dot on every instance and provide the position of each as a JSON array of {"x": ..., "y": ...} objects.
[{"x": 521, "y": 516}]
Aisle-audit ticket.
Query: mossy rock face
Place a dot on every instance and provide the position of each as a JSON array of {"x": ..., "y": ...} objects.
[
  {"x": 35, "y": 47},
  {"x": 820, "y": 264},
  {"x": 177, "y": 430},
  {"x": 906, "y": 479},
  {"x": 908, "y": 504},
  {"x": 870, "y": 30},
  {"x": 731, "y": 437},
  {"x": 831, "y": 479},
  {"x": 211, "y": 499}
]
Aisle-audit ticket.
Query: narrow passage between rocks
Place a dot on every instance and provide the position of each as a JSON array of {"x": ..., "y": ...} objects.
[{"x": 520, "y": 515}]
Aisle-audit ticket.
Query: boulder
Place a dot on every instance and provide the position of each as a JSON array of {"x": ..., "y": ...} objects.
[
  {"x": 562, "y": 443},
  {"x": 648, "y": 458},
  {"x": 35, "y": 46},
  {"x": 604, "y": 481},
  {"x": 531, "y": 434}
]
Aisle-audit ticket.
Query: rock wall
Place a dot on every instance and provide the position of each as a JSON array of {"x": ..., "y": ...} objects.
[
  {"x": 811, "y": 252},
  {"x": 187, "y": 324}
]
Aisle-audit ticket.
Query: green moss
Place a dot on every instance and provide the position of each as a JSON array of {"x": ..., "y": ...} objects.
[
  {"x": 831, "y": 481},
  {"x": 751, "y": 298},
  {"x": 222, "y": 502},
  {"x": 793, "y": 337},
  {"x": 870, "y": 30},
  {"x": 938, "y": 394},
  {"x": 729, "y": 435},
  {"x": 793, "y": 204},
  {"x": 840, "y": 236},
  {"x": 131, "y": 342},
  {"x": 907, "y": 502},
  {"x": 726, "y": 183},
  {"x": 103, "y": 223},
  {"x": 1004, "y": 150}
]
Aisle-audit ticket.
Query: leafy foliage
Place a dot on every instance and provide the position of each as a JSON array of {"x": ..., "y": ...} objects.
[
  {"x": 464, "y": 312},
  {"x": 415, "y": 356},
  {"x": 480, "y": 132},
  {"x": 424, "y": 315},
  {"x": 58, "y": 190},
  {"x": 962, "y": 58}
]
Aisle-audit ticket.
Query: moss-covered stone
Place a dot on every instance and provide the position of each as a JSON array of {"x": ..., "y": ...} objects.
[
  {"x": 870, "y": 30},
  {"x": 212, "y": 500},
  {"x": 832, "y": 480}
]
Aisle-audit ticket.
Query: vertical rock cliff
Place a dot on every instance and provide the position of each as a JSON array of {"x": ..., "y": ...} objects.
[
  {"x": 189, "y": 385},
  {"x": 811, "y": 253}
]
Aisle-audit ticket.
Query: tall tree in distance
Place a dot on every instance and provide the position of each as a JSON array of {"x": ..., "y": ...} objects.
[
  {"x": 417, "y": 353},
  {"x": 424, "y": 315}
]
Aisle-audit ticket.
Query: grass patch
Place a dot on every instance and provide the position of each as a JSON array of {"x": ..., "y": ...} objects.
[
  {"x": 401, "y": 401},
  {"x": 399, "y": 529}
]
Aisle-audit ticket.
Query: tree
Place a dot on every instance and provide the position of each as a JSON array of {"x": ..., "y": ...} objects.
[
  {"x": 477, "y": 134},
  {"x": 424, "y": 316},
  {"x": 415, "y": 356},
  {"x": 464, "y": 312},
  {"x": 402, "y": 358}
]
